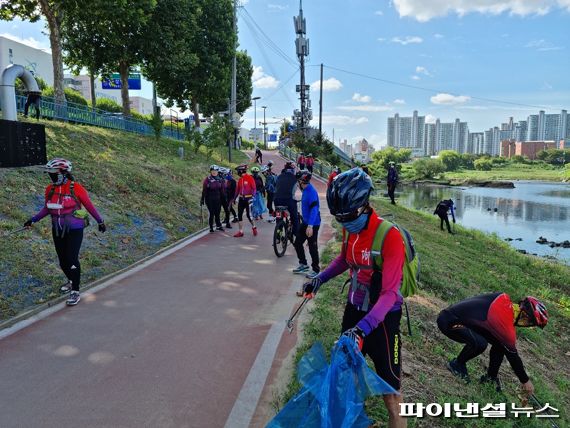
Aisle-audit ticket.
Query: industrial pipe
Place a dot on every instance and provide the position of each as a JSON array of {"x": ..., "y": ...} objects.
[{"x": 8, "y": 88}]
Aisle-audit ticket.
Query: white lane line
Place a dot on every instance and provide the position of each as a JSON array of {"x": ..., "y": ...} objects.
[{"x": 20, "y": 325}]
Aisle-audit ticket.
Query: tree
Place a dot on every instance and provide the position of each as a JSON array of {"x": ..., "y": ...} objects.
[
  {"x": 382, "y": 158},
  {"x": 53, "y": 11},
  {"x": 450, "y": 159},
  {"x": 244, "y": 88},
  {"x": 428, "y": 168},
  {"x": 483, "y": 164}
]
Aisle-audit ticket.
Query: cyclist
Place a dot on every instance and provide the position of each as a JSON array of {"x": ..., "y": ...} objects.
[
  {"x": 285, "y": 189},
  {"x": 491, "y": 318},
  {"x": 245, "y": 191},
  {"x": 225, "y": 200},
  {"x": 309, "y": 229},
  {"x": 63, "y": 201},
  {"x": 258, "y": 203},
  {"x": 230, "y": 189},
  {"x": 373, "y": 310},
  {"x": 212, "y": 196},
  {"x": 270, "y": 183}
]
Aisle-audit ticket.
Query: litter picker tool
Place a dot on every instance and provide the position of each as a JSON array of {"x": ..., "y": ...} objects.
[
  {"x": 14, "y": 232},
  {"x": 290, "y": 323},
  {"x": 537, "y": 403}
]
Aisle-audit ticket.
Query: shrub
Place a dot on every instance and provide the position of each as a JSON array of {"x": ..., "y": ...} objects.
[
  {"x": 427, "y": 168},
  {"x": 109, "y": 105},
  {"x": 450, "y": 159},
  {"x": 71, "y": 95},
  {"x": 483, "y": 164}
]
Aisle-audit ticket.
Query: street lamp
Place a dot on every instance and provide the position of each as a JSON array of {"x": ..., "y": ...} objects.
[
  {"x": 254, "y": 99},
  {"x": 264, "y": 129}
]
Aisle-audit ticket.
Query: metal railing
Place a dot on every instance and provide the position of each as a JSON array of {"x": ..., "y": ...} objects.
[
  {"x": 322, "y": 169},
  {"x": 78, "y": 113}
]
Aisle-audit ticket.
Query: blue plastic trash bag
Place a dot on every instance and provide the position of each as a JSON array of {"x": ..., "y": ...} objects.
[
  {"x": 258, "y": 207},
  {"x": 333, "y": 394}
]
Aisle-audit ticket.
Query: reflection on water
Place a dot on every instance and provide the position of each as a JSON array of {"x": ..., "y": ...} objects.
[{"x": 528, "y": 211}]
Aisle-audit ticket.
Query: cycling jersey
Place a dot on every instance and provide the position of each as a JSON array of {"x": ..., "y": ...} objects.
[
  {"x": 245, "y": 187},
  {"x": 212, "y": 188},
  {"x": 286, "y": 185}
]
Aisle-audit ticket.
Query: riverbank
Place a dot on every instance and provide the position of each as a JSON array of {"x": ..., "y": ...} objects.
[
  {"x": 512, "y": 172},
  {"x": 454, "y": 267},
  {"x": 148, "y": 196}
]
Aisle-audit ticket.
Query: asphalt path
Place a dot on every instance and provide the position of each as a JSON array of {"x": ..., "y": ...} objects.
[{"x": 190, "y": 339}]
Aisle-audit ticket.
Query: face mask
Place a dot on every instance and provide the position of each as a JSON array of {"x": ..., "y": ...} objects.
[
  {"x": 356, "y": 226},
  {"x": 57, "y": 178}
]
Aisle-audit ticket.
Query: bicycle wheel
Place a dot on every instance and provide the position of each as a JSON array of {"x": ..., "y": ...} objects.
[{"x": 280, "y": 239}]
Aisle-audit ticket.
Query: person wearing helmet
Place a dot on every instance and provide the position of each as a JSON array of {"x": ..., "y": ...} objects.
[
  {"x": 285, "y": 188},
  {"x": 229, "y": 186},
  {"x": 309, "y": 229},
  {"x": 301, "y": 161},
  {"x": 212, "y": 196},
  {"x": 258, "y": 206},
  {"x": 373, "y": 310},
  {"x": 392, "y": 181},
  {"x": 270, "y": 183},
  {"x": 64, "y": 199},
  {"x": 245, "y": 191},
  {"x": 309, "y": 162},
  {"x": 336, "y": 171},
  {"x": 491, "y": 318}
]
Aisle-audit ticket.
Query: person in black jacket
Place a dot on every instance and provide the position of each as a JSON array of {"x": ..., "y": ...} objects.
[
  {"x": 229, "y": 192},
  {"x": 285, "y": 189},
  {"x": 35, "y": 99},
  {"x": 441, "y": 210},
  {"x": 212, "y": 196}
]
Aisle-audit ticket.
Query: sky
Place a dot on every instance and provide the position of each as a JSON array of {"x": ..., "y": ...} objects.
[{"x": 478, "y": 60}]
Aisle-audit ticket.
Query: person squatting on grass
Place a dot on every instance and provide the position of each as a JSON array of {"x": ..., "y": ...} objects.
[
  {"x": 441, "y": 210},
  {"x": 373, "y": 310},
  {"x": 64, "y": 199},
  {"x": 491, "y": 318},
  {"x": 213, "y": 196}
]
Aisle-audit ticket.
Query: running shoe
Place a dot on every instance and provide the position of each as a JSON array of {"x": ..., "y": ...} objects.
[
  {"x": 212, "y": 230},
  {"x": 459, "y": 370},
  {"x": 301, "y": 269},
  {"x": 235, "y": 220},
  {"x": 311, "y": 274},
  {"x": 65, "y": 288},
  {"x": 73, "y": 299},
  {"x": 220, "y": 228},
  {"x": 239, "y": 234},
  {"x": 228, "y": 226},
  {"x": 254, "y": 230}
]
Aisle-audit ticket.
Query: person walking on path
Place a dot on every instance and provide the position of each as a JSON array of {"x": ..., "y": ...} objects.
[
  {"x": 258, "y": 207},
  {"x": 310, "y": 162},
  {"x": 64, "y": 199},
  {"x": 258, "y": 156},
  {"x": 285, "y": 189},
  {"x": 227, "y": 196},
  {"x": 392, "y": 181},
  {"x": 442, "y": 209},
  {"x": 213, "y": 196},
  {"x": 270, "y": 183},
  {"x": 309, "y": 229},
  {"x": 491, "y": 318},
  {"x": 245, "y": 191},
  {"x": 332, "y": 175},
  {"x": 373, "y": 311},
  {"x": 301, "y": 161},
  {"x": 34, "y": 98}
]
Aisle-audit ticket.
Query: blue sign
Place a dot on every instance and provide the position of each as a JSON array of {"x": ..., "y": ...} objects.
[
  {"x": 272, "y": 137},
  {"x": 114, "y": 82}
]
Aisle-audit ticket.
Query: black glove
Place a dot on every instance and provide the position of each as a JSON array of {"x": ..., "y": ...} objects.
[
  {"x": 355, "y": 334},
  {"x": 454, "y": 221},
  {"x": 102, "y": 227},
  {"x": 311, "y": 288},
  {"x": 28, "y": 223}
]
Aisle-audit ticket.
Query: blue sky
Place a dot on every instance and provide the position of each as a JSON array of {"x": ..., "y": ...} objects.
[{"x": 458, "y": 51}]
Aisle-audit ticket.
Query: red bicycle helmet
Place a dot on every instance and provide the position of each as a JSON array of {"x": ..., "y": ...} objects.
[{"x": 535, "y": 310}]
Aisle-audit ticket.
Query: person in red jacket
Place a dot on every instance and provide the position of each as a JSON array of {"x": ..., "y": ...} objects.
[
  {"x": 310, "y": 162},
  {"x": 64, "y": 199},
  {"x": 491, "y": 318},
  {"x": 333, "y": 174},
  {"x": 301, "y": 161},
  {"x": 245, "y": 191}
]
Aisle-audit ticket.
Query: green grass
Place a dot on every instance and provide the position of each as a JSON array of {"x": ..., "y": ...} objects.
[
  {"x": 515, "y": 171},
  {"x": 148, "y": 196},
  {"x": 454, "y": 267}
]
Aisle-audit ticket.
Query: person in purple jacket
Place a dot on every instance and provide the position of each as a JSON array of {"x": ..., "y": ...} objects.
[
  {"x": 63, "y": 201},
  {"x": 213, "y": 196}
]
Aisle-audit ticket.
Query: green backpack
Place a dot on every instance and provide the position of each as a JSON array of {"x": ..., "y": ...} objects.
[{"x": 411, "y": 268}]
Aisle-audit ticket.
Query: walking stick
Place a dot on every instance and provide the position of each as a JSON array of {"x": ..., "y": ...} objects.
[
  {"x": 290, "y": 324},
  {"x": 201, "y": 215},
  {"x": 13, "y": 232}
]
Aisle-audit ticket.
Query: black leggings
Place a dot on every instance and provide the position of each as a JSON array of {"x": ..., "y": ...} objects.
[
  {"x": 450, "y": 325},
  {"x": 391, "y": 191},
  {"x": 383, "y": 344},
  {"x": 445, "y": 219},
  {"x": 313, "y": 248},
  {"x": 67, "y": 248},
  {"x": 243, "y": 205},
  {"x": 214, "y": 208},
  {"x": 270, "y": 196}
]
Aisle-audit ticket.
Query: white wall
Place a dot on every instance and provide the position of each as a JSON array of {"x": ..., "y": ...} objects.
[{"x": 35, "y": 60}]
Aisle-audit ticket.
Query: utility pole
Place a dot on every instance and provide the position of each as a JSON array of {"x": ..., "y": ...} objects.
[
  {"x": 321, "y": 108},
  {"x": 264, "y": 129},
  {"x": 304, "y": 116},
  {"x": 233, "y": 101},
  {"x": 254, "y": 99}
]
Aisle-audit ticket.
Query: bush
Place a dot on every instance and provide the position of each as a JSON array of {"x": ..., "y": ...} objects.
[
  {"x": 450, "y": 159},
  {"x": 483, "y": 164},
  {"x": 71, "y": 95},
  {"x": 109, "y": 105},
  {"x": 519, "y": 159},
  {"x": 427, "y": 168},
  {"x": 499, "y": 161}
]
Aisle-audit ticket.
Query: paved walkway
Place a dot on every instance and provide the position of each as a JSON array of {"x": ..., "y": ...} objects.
[{"x": 171, "y": 345}]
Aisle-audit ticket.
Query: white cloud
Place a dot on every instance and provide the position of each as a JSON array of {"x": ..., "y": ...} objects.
[
  {"x": 361, "y": 98},
  {"x": 422, "y": 70},
  {"x": 448, "y": 99},
  {"x": 542, "y": 45},
  {"x": 430, "y": 118},
  {"x": 261, "y": 80},
  {"x": 381, "y": 39},
  {"x": 368, "y": 108},
  {"x": 399, "y": 101},
  {"x": 341, "y": 120},
  {"x": 414, "y": 77},
  {"x": 438, "y": 36},
  {"x": 277, "y": 7},
  {"x": 329, "y": 85},
  {"x": 407, "y": 40},
  {"x": 379, "y": 13},
  {"x": 423, "y": 10},
  {"x": 30, "y": 41}
]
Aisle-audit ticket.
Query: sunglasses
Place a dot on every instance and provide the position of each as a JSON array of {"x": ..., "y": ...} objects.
[{"x": 345, "y": 218}]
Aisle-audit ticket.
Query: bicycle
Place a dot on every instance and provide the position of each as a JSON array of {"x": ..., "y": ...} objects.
[{"x": 283, "y": 232}]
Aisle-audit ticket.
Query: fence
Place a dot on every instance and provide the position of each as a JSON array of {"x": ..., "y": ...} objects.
[
  {"x": 323, "y": 169},
  {"x": 78, "y": 113}
]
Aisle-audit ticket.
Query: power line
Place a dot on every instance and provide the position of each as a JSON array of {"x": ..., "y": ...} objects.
[{"x": 420, "y": 88}]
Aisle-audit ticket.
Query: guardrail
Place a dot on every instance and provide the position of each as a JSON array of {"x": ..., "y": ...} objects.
[
  {"x": 78, "y": 113},
  {"x": 322, "y": 169}
]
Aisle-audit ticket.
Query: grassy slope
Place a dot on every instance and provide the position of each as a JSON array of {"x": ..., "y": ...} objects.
[
  {"x": 453, "y": 268},
  {"x": 148, "y": 196}
]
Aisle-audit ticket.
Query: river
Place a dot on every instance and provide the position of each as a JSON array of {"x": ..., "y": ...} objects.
[{"x": 530, "y": 210}]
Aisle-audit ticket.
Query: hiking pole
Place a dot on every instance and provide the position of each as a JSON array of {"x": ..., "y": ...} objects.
[
  {"x": 201, "y": 215},
  {"x": 290, "y": 320},
  {"x": 535, "y": 401}
]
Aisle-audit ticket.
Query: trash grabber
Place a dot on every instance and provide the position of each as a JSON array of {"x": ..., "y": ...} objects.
[
  {"x": 13, "y": 232},
  {"x": 297, "y": 311},
  {"x": 535, "y": 401}
]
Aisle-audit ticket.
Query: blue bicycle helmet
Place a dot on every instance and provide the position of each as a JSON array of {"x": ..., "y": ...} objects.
[{"x": 348, "y": 193}]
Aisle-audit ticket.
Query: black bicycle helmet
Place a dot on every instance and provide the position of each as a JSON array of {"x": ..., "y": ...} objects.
[
  {"x": 348, "y": 192},
  {"x": 241, "y": 168},
  {"x": 304, "y": 176}
]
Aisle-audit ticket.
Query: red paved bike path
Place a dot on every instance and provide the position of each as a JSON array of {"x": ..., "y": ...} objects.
[{"x": 169, "y": 346}]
